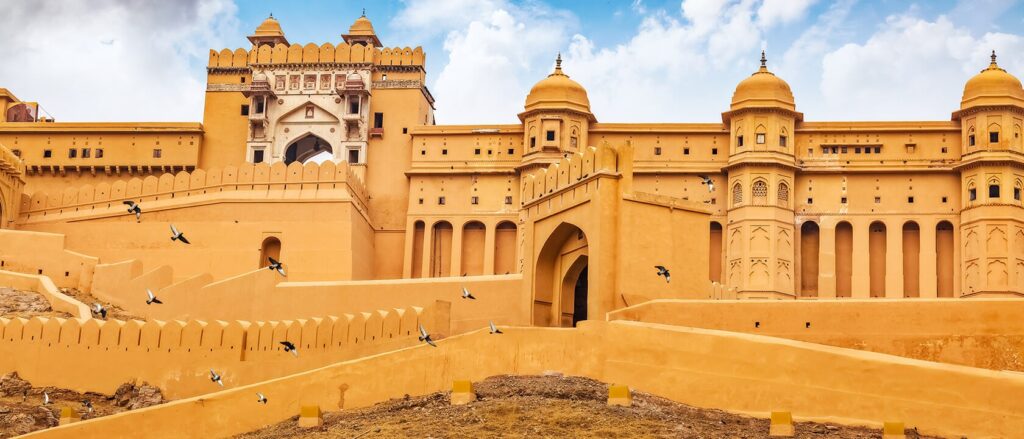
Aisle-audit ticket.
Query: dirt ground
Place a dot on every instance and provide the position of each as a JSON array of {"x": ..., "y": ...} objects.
[
  {"x": 545, "y": 406},
  {"x": 22, "y": 410},
  {"x": 26, "y": 304},
  {"x": 113, "y": 312}
]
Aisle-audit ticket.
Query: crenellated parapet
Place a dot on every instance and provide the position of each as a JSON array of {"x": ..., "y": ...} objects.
[
  {"x": 297, "y": 180},
  {"x": 327, "y": 53},
  {"x": 12, "y": 182},
  {"x": 571, "y": 170}
]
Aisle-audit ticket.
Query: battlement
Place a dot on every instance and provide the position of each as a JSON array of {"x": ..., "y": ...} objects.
[
  {"x": 291, "y": 181},
  {"x": 11, "y": 165},
  {"x": 327, "y": 53},
  {"x": 569, "y": 171}
]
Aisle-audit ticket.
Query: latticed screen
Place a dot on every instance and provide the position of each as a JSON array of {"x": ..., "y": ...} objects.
[
  {"x": 759, "y": 192},
  {"x": 737, "y": 194},
  {"x": 783, "y": 194}
]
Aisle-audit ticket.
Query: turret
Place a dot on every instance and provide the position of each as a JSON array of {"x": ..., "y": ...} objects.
[
  {"x": 556, "y": 119},
  {"x": 268, "y": 33},
  {"x": 361, "y": 32}
]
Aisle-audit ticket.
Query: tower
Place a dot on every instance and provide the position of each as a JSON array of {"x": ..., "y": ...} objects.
[
  {"x": 991, "y": 172},
  {"x": 556, "y": 119},
  {"x": 760, "y": 236}
]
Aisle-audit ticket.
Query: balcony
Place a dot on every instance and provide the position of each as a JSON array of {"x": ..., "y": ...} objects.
[
  {"x": 258, "y": 88},
  {"x": 377, "y": 132}
]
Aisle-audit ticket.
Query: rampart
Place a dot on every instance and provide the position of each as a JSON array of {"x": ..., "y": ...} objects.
[
  {"x": 706, "y": 368},
  {"x": 44, "y": 286},
  {"x": 985, "y": 333},
  {"x": 99, "y": 355},
  {"x": 326, "y": 53},
  {"x": 45, "y": 254}
]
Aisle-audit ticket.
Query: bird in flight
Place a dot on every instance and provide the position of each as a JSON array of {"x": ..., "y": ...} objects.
[
  {"x": 99, "y": 309},
  {"x": 260, "y": 398},
  {"x": 466, "y": 294},
  {"x": 152, "y": 298},
  {"x": 494, "y": 329},
  {"x": 275, "y": 265},
  {"x": 662, "y": 271},
  {"x": 216, "y": 378},
  {"x": 87, "y": 404},
  {"x": 704, "y": 179},
  {"x": 133, "y": 207},
  {"x": 177, "y": 236},
  {"x": 290, "y": 347},
  {"x": 426, "y": 337}
]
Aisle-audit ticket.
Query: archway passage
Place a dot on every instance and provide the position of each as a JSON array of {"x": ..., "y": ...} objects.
[
  {"x": 579, "y": 309},
  {"x": 559, "y": 295},
  {"x": 944, "y": 260},
  {"x": 271, "y": 248},
  {"x": 309, "y": 148}
]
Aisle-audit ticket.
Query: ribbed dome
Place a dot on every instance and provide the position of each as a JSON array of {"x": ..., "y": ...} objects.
[
  {"x": 993, "y": 86},
  {"x": 362, "y": 26},
  {"x": 557, "y": 91},
  {"x": 763, "y": 89},
  {"x": 269, "y": 28}
]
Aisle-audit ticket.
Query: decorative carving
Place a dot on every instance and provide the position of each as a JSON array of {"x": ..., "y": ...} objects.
[
  {"x": 997, "y": 275},
  {"x": 398, "y": 83}
]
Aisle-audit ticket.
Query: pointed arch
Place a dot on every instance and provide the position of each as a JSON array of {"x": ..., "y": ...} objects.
[{"x": 737, "y": 194}]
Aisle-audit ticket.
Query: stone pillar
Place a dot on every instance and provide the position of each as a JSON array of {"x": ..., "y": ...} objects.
[
  {"x": 861, "y": 282},
  {"x": 428, "y": 245},
  {"x": 827, "y": 259},
  {"x": 489, "y": 250},
  {"x": 928, "y": 260},
  {"x": 456, "y": 258},
  {"x": 893, "y": 258},
  {"x": 410, "y": 234}
]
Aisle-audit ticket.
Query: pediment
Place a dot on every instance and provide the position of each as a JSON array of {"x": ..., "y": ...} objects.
[{"x": 299, "y": 115}]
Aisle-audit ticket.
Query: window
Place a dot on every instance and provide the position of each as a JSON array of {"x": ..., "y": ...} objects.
[
  {"x": 293, "y": 82},
  {"x": 421, "y": 201},
  {"x": 16, "y": 152},
  {"x": 257, "y": 156},
  {"x": 353, "y": 105},
  {"x": 476, "y": 151},
  {"x": 325, "y": 82},
  {"x": 405, "y": 130},
  {"x": 243, "y": 79},
  {"x": 511, "y": 151},
  {"x": 508, "y": 199},
  {"x": 157, "y": 153},
  {"x": 245, "y": 110},
  {"x": 759, "y": 139},
  {"x": 657, "y": 150},
  {"x": 423, "y": 152},
  {"x": 856, "y": 150},
  {"x": 378, "y": 120},
  {"x": 783, "y": 194},
  {"x": 835, "y": 150},
  {"x": 878, "y": 200},
  {"x": 910, "y": 200},
  {"x": 993, "y": 137},
  {"x": 759, "y": 192},
  {"x": 474, "y": 200},
  {"x": 970, "y": 139},
  {"x": 1016, "y": 194},
  {"x": 686, "y": 151},
  {"x": 384, "y": 77},
  {"x": 86, "y": 153},
  {"x": 309, "y": 82},
  {"x": 810, "y": 200},
  {"x": 549, "y": 136},
  {"x": 353, "y": 156},
  {"x": 810, "y": 151},
  {"x": 533, "y": 142},
  {"x": 444, "y": 152},
  {"x": 739, "y": 140},
  {"x": 714, "y": 151},
  {"x": 911, "y": 148},
  {"x": 945, "y": 199},
  {"x": 782, "y": 140},
  {"x": 440, "y": 200},
  {"x": 993, "y": 191},
  {"x": 867, "y": 150},
  {"x": 842, "y": 200},
  {"x": 878, "y": 150},
  {"x": 737, "y": 194},
  {"x": 944, "y": 150},
  {"x": 843, "y": 150},
  {"x": 72, "y": 153},
  {"x": 259, "y": 106},
  {"x": 972, "y": 194},
  {"x": 279, "y": 82},
  {"x": 47, "y": 153}
]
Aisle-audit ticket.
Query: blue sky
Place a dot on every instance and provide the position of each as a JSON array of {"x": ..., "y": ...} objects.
[{"x": 641, "y": 60}]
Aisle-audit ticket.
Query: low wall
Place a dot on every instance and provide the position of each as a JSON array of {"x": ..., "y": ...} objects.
[
  {"x": 45, "y": 287},
  {"x": 986, "y": 333},
  {"x": 45, "y": 253},
  {"x": 98, "y": 356},
  {"x": 705, "y": 368}
]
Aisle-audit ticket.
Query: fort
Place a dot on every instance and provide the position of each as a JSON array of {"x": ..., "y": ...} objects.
[{"x": 854, "y": 271}]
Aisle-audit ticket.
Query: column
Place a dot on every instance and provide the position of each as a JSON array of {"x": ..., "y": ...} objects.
[
  {"x": 861, "y": 282},
  {"x": 893, "y": 258},
  {"x": 428, "y": 246},
  {"x": 410, "y": 234},
  {"x": 827, "y": 259},
  {"x": 489, "y": 234},
  {"x": 456, "y": 258},
  {"x": 928, "y": 260}
]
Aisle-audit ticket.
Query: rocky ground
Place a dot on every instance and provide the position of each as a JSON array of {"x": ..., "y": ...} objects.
[
  {"x": 26, "y": 304},
  {"x": 546, "y": 406},
  {"x": 113, "y": 312},
  {"x": 22, "y": 410}
]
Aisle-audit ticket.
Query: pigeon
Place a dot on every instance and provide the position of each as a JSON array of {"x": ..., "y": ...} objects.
[
  {"x": 133, "y": 207},
  {"x": 426, "y": 337},
  {"x": 494, "y": 329},
  {"x": 46, "y": 398},
  {"x": 290, "y": 347},
  {"x": 704, "y": 179},
  {"x": 275, "y": 265},
  {"x": 177, "y": 236},
  {"x": 87, "y": 404},
  {"x": 662, "y": 271},
  {"x": 260, "y": 398},
  {"x": 152, "y": 298},
  {"x": 215, "y": 378},
  {"x": 466, "y": 294},
  {"x": 99, "y": 309}
]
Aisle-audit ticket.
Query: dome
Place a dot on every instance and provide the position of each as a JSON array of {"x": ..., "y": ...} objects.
[
  {"x": 993, "y": 86},
  {"x": 361, "y": 32},
  {"x": 557, "y": 91},
  {"x": 269, "y": 28},
  {"x": 362, "y": 26},
  {"x": 763, "y": 89}
]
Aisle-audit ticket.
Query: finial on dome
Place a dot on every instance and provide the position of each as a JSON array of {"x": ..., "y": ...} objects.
[
  {"x": 364, "y": 12},
  {"x": 271, "y": 15},
  {"x": 764, "y": 61},
  {"x": 558, "y": 61},
  {"x": 993, "y": 56}
]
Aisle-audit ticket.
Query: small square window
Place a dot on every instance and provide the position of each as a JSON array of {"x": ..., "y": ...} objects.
[
  {"x": 421, "y": 201},
  {"x": 911, "y": 148},
  {"x": 1016, "y": 194},
  {"x": 739, "y": 140},
  {"x": 16, "y": 152},
  {"x": 533, "y": 142},
  {"x": 867, "y": 150},
  {"x": 782, "y": 140},
  {"x": 835, "y": 150},
  {"x": 657, "y": 150},
  {"x": 945, "y": 199},
  {"x": 47, "y": 153},
  {"x": 878, "y": 150},
  {"x": 910, "y": 200},
  {"x": 842, "y": 200},
  {"x": 474, "y": 200},
  {"x": 444, "y": 152},
  {"x": 810, "y": 200},
  {"x": 490, "y": 152},
  {"x": 405, "y": 130},
  {"x": 970, "y": 140},
  {"x": 856, "y": 150},
  {"x": 476, "y": 151},
  {"x": 508, "y": 199},
  {"x": 440, "y": 200},
  {"x": 257, "y": 156},
  {"x": 759, "y": 139},
  {"x": 423, "y": 152},
  {"x": 353, "y": 156},
  {"x": 993, "y": 191},
  {"x": 972, "y": 194},
  {"x": 993, "y": 137},
  {"x": 72, "y": 153},
  {"x": 86, "y": 153},
  {"x": 550, "y": 136},
  {"x": 878, "y": 200},
  {"x": 714, "y": 201},
  {"x": 686, "y": 151},
  {"x": 245, "y": 110},
  {"x": 99, "y": 153},
  {"x": 243, "y": 80},
  {"x": 511, "y": 151},
  {"x": 810, "y": 151},
  {"x": 944, "y": 150},
  {"x": 843, "y": 150},
  {"x": 157, "y": 153},
  {"x": 714, "y": 151}
]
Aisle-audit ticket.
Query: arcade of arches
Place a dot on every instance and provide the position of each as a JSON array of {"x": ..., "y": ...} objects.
[{"x": 469, "y": 248}]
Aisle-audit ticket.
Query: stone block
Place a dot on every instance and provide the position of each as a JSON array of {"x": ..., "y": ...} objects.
[
  {"x": 781, "y": 425},
  {"x": 69, "y": 415},
  {"x": 310, "y": 416},
  {"x": 619, "y": 394},
  {"x": 893, "y": 430},
  {"x": 462, "y": 392}
]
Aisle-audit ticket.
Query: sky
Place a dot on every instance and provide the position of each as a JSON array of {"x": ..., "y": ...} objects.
[{"x": 640, "y": 60}]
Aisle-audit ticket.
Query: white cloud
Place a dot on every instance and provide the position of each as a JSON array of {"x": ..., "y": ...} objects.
[
  {"x": 782, "y": 11},
  {"x": 87, "y": 60}
]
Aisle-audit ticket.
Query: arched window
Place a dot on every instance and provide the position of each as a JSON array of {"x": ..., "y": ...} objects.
[
  {"x": 972, "y": 192},
  {"x": 783, "y": 195},
  {"x": 759, "y": 135},
  {"x": 970, "y": 137},
  {"x": 1016, "y": 191},
  {"x": 993, "y": 189},
  {"x": 783, "y": 138},
  {"x": 737, "y": 194},
  {"x": 759, "y": 192},
  {"x": 993, "y": 133},
  {"x": 271, "y": 248}
]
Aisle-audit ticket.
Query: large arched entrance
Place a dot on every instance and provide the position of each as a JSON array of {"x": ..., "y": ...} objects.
[
  {"x": 309, "y": 148},
  {"x": 562, "y": 279}
]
